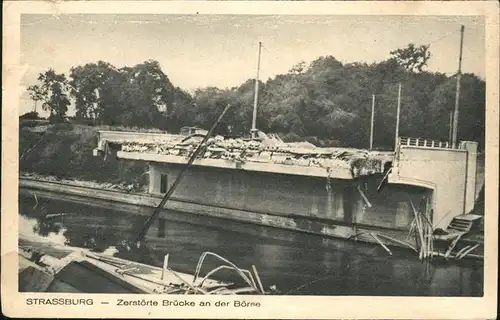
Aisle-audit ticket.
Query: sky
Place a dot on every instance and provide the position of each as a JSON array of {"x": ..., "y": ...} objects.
[{"x": 221, "y": 50}]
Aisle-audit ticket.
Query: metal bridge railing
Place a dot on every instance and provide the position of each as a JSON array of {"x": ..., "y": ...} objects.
[{"x": 425, "y": 143}]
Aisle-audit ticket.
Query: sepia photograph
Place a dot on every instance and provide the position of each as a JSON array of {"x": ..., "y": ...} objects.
[{"x": 251, "y": 154}]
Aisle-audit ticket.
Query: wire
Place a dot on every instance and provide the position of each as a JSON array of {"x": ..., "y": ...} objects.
[{"x": 442, "y": 37}]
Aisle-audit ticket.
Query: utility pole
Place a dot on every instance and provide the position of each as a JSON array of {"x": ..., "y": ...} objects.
[
  {"x": 396, "y": 138},
  {"x": 457, "y": 93},
  {"x": 450, "y": 128},
  {"x": 371, "y": 123},
  {"x": 256, "y": 97}
]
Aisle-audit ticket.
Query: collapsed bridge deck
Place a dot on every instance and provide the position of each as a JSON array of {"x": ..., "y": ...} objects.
[{"x": 267, "y": 155}]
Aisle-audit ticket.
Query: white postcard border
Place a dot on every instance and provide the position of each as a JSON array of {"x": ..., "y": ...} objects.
[{"x": 283, "y": 307}]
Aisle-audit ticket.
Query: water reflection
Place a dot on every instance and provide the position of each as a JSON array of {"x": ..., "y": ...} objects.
[{"x": 295, "y": 263}]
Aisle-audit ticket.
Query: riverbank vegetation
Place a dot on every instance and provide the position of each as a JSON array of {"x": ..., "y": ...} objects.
[
  {"x": 64, "y": 151},
  {"x": 326, "y": 101}
]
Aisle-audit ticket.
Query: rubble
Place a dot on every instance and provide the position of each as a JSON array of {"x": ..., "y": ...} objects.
[
  {"x": 121, "y": 186},
  {"x": 361, "y": 162}
]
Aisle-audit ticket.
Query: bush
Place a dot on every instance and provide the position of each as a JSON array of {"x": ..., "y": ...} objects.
[
  {"x": 33, "y": 115},
  {"x": 66, "y": 152}
]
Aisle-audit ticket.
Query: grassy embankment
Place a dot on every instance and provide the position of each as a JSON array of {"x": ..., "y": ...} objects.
[{"x": 64, "y": 151}]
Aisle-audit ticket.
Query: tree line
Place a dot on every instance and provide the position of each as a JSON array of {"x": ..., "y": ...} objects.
[{"x": 326, "y": 102}]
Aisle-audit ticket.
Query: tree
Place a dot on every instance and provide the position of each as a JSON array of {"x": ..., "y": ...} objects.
[
  {"x": 35, "y": 93},
  {"x": 471, "y": 121},
  {"x": 141, "y": 95},
  {"x": 182, "y": 111},
  {"x": 284, "y": 96},
  {"x": 88, "y": 85},
  {"x": 322, "y": 102},
  {"x": 298, "y": 68},
  {"x": 52, "y": 92},
  {"x": 149, "y": 93},
  {"x": 209, "y": 104},
  {"x": 413, "y": 58}
]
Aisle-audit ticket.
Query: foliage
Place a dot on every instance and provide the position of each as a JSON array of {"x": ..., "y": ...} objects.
[
  {"x": 131, "y": 96},
  {"x": 52, "y": 92},
  {"x": 326, "y": 101},
  {"x": 65, "y": 151},
  {"x": 87, "y": 82},
  {"x": 413, "y": 58}
]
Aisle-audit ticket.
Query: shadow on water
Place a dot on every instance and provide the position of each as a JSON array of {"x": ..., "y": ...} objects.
[{"x": 296, "y": 263}]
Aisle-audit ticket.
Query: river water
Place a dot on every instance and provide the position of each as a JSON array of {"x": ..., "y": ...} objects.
[{"x": 295, "y": 263}]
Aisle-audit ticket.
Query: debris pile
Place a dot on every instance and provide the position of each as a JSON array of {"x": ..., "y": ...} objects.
[
  {"x": 361, "y": 162},
  {"x": 44, "y": 268},
  {"x": 119, "y": 186}
]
